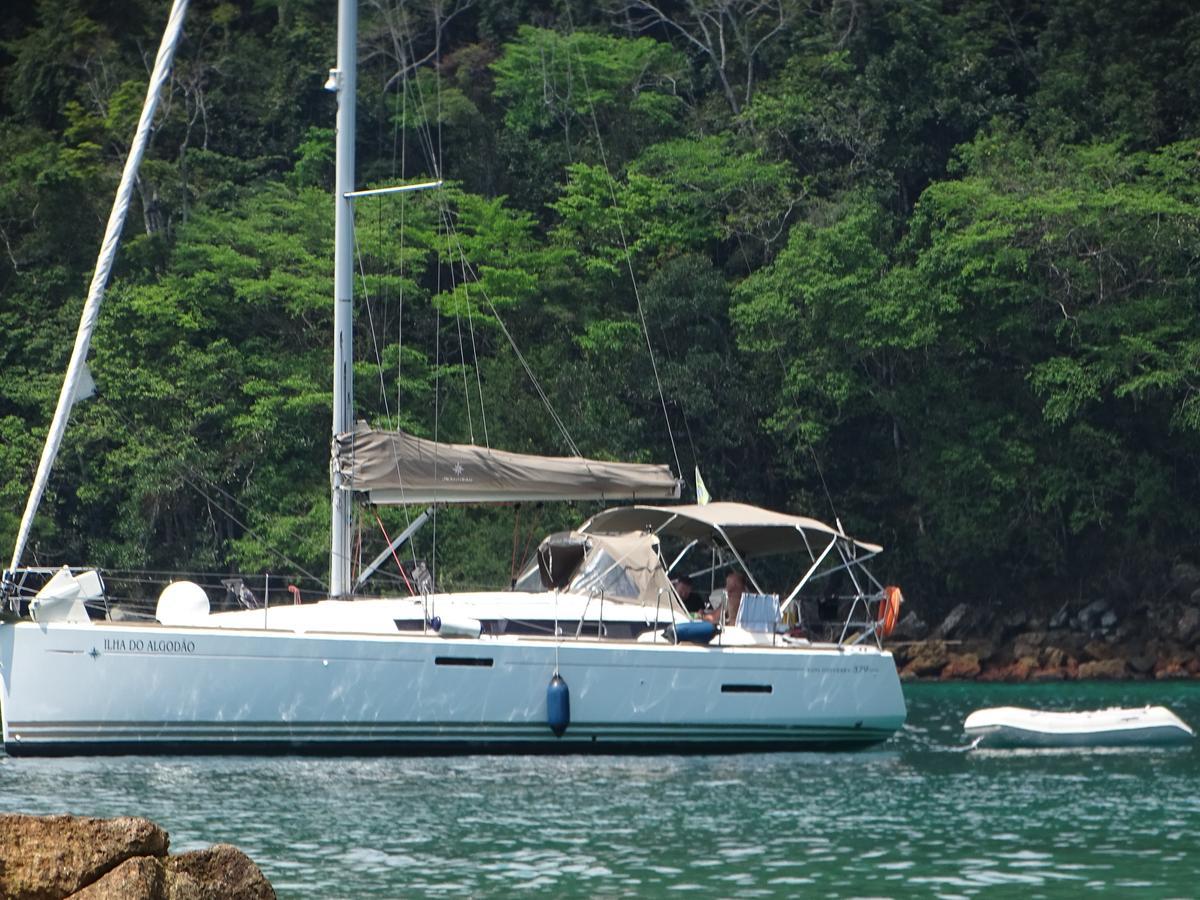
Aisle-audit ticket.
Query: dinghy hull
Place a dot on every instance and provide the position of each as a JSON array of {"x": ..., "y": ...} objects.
[{"x": 1011, "y": 726}]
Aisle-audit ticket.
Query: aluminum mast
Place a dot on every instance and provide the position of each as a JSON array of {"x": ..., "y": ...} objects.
[{"x": 343, "y": 80}]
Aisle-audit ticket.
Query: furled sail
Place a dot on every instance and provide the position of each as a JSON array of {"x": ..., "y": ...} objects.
[
  {"x": 78, "y": 384},
  {"x": 395, "y": 467}
]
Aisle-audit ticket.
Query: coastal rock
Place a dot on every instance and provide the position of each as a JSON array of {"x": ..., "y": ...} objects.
[
  {"x": 1142, "y": 663},
  {"x": 911, "y": 627},
  {"x": 927, "y": 658},
  {"x": 1189, "y": 624},
  {"x": 1131, "y": 629},
  {"x": 1071, "y": 641},
  {"x": 1023, "y": 668},
  {"x": 1013, "y": 622},
  {"x": 1018, "y": 670},
  {"x": 955, "y": 620},
  {"x": 1029, "y": 645},
  {"x": 1000, "y": 635},
  {"x": 55, "y": 856},
  {"x": 961, "y": 665},
  {"x": 1089, "y": 617},
  {"x": 52, "y": 857},
  {"x": 993, "y": 672},
  {"x": 1185, "y": 577},
  {"x": 1108, "y": 669},
  {"x": 1170, "y": 668},
  {"x": 1054, "y": 658},
  {"x": 984, "y": 649},
  {"x": 1048, "y": 673},
  {"x": 139, "y": 878},
  {"x": 901, "y": 654},
  {"x": 1098, "y": 651},
  {"x": 222, "y": 872}
]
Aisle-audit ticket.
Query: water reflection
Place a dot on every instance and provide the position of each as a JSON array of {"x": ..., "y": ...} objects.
[{"x": 918, "y": 815}]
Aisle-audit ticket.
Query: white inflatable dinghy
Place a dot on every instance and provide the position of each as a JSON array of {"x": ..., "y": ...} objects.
[{"x": 1012, "y": 726}]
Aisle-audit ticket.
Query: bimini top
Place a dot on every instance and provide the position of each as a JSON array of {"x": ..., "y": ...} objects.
[
  {"x": 396, "y": 467},
  {"x": 749, "y": 530}
]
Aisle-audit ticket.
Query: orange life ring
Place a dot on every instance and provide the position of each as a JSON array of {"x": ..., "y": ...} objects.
[{"x": 889, "y": 609}]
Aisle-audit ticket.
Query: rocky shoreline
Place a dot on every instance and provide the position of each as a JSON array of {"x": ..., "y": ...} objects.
[
  {"x": 1086, "y": 639},
  {"x": 51, "y": 857}
]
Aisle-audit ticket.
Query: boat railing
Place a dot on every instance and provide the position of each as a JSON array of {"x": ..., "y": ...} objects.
[
  {"x": 19, "y": 586},
  {"x": 855, "y": 631},
  {"x": 593, "y": 593}
]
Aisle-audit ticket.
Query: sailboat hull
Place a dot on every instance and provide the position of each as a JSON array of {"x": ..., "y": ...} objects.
[{"x": 119, "y": 688}]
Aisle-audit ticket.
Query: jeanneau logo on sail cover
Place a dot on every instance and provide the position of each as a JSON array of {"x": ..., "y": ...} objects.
[{"x": 459, "y": 474}]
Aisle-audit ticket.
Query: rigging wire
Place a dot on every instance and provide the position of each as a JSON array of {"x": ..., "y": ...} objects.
[
  {"x": 537, "y": 386},
  {"x": 186, "y": 467},
  {"x": 437, "y": 393},
  {"x": 437, "y": 68},
  {"x": 362, "y": 273},
  {"x": 382, "y": 382},
  {"x": 433, "y": 157},
  {"x": 384, "y": 297},
  {"x": 462, "y": 353},
  {"x": 512, "y": 565},
  {"x": 400, "y": 314},
  {"x": 434, "y": 154},
  {"x": 425, "y": 136},
  {"x": 252, "y": 532},
  {"x": 403, "y": 211},
  {"x": 687, "y": 428},
  {"x": 637, "y": 293},
  {"x": 399, "y": 135},
  {"x": 399, "y": 565},
  {"x": 807, "y": 443},
  {"x": 475, "y": 358}
]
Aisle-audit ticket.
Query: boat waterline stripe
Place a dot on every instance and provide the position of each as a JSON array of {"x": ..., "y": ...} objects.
[
  {"x": 22, "y": 732},
  {"x": 368, "y": 726}
]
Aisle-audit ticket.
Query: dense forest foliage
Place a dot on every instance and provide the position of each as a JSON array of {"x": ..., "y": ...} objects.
[{"x": 932, "y": 268}]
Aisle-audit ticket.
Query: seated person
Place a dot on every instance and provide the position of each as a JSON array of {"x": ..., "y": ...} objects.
[
  {"x": 688, "y": 595},
  {"x": 735, "y": 586}
]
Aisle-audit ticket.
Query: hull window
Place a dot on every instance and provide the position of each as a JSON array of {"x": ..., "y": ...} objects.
[
  {"x": 745, "y": 689},
  {"x": 485, "y": 661}
]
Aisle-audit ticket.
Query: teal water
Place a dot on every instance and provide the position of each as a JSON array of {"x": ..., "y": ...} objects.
[{"x": 917, "y": 816}]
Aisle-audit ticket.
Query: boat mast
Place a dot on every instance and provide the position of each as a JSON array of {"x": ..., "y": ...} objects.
[
  {"x": 343, "y": 80},
  {"x": 75, "y": 382}
]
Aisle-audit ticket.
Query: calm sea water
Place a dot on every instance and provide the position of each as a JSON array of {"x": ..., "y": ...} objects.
[{"x": 917, "y": 816}]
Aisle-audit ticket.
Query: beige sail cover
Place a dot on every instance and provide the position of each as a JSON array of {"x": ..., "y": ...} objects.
[{"x": 395, "y": 467}]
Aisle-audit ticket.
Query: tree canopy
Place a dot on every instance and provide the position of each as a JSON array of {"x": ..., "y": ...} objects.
[{"x": 926, "y": 267}]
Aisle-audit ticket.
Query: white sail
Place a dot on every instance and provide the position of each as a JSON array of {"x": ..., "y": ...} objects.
[{"x": 78, "y": 382}]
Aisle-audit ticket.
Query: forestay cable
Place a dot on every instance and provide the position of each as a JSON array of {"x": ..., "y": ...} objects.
[
  {"x": 637, "y": 293},
  {"x": 77, "y": 367},
  {"x": 425, "y": 136}
]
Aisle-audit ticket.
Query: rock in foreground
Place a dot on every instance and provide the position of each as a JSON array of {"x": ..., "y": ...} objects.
[{"x": 50, "y": 857}]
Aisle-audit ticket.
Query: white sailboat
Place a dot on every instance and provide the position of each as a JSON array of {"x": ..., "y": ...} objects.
[{"x": 592, "y": 651}]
